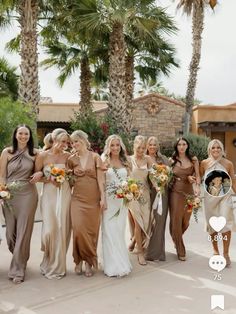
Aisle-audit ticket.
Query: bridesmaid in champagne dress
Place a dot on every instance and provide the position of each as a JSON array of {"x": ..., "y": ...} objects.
[
  {"x": 115, "y": 253},
  {"x": 186, "y": 172},
  {"x": 141, "y": 212},
  {"x": 156, "y": 247},
  {"x": 17, "y": 165},
  {"x": 55, "y": 207},
  {"x": 88, "y": 199},
  {"x": 219, "y": 205}
]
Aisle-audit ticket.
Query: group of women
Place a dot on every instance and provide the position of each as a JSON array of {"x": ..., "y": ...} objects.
[{"x": 83, "y": 202}]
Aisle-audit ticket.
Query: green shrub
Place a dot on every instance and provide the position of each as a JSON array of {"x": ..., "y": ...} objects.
[
  {"x": 12, "y": 113},
  {"x": 98, "y": 129},
  {"x": 198, "y": 145}
]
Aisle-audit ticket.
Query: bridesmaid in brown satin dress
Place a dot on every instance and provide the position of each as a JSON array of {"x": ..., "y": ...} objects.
[
  {"x": 186, "y": 172},
  {"x": 17, "y": 165},
  {"x": 156, "y": 247},
  {"x": 88, "y": 199}
]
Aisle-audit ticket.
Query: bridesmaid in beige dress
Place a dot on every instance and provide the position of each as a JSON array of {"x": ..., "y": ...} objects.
[
  {"x": 219, "y": 205},
  {"x": 156, "y": 247},
  {"x": 88, "y": 199},
  {"x": 55, "y": 206},
  {"x": 186, "y": 172},
  {"x": 141, "y": 213},
  {"x": 17, "y": 165}
]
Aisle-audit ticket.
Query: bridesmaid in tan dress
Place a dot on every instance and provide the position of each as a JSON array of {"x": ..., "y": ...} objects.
[
  {"x": 141, "y": 213},
  {"x": 88, "y": 199},
  {"x": 156, "y": 247},
  {"x": 55, "y": 207},
  {"x": 186, "y": 172},
  {"x": 17, "y": 165}
]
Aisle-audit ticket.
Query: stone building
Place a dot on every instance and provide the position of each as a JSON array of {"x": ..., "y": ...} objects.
[
  {"x": 160, "y": 116},
  {"x": 153, "y": 114}
]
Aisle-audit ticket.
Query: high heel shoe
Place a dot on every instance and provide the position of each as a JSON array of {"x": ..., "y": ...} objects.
[
  {"x": 17, "y": 280},
  {"x": 78, "y": 268},
  {"x": 88, "y": 270},
  {"x": 141, "y": 259}
]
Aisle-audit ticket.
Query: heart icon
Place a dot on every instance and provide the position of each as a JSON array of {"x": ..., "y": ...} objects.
[{"x": 217, "y": 223}]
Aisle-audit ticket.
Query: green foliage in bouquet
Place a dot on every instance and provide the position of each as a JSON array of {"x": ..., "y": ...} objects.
[
  {"x": 12, "y": 113},
  {"x": 98, "y": 129}
]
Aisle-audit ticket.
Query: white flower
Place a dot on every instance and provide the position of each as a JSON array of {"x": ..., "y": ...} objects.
[
  {"x": 119, "y": 191},
  {"x": 60, "y": 179},
  {"x": 129, "y": 196},
  {"x": 124, "y": 184},
  {"x": 163, "y": 178},
  {"x": 5, "y": 194}
]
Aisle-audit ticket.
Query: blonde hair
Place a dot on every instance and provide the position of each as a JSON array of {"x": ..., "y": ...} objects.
[
  {"x": 139, "y": 140},
  {"x": 211, "y": 144},
  {"x": 52, "y": 137},
  {"x": 153, "y": 138},
  {"x": 81, "y": 135},
  {"x": 106, "y": 155}
]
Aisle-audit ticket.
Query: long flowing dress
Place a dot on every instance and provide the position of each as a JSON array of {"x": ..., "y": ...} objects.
[
  {"x": 115, "y": 254},
  {"x": 19, "y": 216},
  {"x": 156, "y": 247},
  {"x": 179, "y": 214},
  {"x": 219, "y": 205},
  {"x": 142, "y": 212},
  {"x": 85, "y": 209},
  {"x": 56, "y": 227}
]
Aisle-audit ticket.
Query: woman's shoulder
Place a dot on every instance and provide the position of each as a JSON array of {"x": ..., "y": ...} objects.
[
  {"x": 6, "y": 150},
  {"x": 226, "y": 163}
]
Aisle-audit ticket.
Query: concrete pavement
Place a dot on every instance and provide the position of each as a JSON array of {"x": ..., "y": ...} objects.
[{"x": 160, "y": 287}]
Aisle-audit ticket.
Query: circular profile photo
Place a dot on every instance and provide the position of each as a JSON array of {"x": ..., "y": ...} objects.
[{"x": 217, "y": 183}]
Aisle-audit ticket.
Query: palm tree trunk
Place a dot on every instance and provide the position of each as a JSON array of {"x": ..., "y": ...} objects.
[
  {"x": 117, "y": 109},
  {"x": 197, "y": 29},
  {"x": 129, "y": 79},
  {"x": 29, "y": 82},
  {"x": 85, "y": 86}
]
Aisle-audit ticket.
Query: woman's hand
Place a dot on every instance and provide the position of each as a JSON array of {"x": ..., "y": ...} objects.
[
  {"x": 103, "y": 204},
  {"x": 36, "y": 177},
  {"x": 191, "y": 179},
  {"x": 197, "y": 190}
]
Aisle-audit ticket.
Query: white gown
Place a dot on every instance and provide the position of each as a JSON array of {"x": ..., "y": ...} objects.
[{"x": 115, "y": 253}]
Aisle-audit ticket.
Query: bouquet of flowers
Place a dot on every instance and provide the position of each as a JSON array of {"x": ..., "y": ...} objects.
[
  {"x": 160, "y": 175},
  {"x": 7, "y": 192},
  {"x": 127, "y": 190},
  {"x": 58, "y": 175},
  {"x": 193, "y": 203}
]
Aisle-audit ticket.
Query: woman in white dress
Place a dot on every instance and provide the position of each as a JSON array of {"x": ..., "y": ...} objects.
[
  {"x": 115, "y": 253},
  {"x": 219, "y": 205},
  {"x": 55, "y": 206}
]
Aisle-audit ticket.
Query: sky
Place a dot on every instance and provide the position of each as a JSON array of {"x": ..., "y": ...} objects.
[{"x": 216, "y": 78}]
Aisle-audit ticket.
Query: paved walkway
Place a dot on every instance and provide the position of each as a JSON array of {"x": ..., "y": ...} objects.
[{"x": 160, "y": 287}]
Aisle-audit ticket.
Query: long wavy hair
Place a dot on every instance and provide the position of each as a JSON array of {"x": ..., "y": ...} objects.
[
  {"x": 139, "y": 140},
  {"x": 30, "y": 143},
  {"x": 158, "y": 153},
  {"x": 106, "y": 155},
  {"x": 175, "y": 155}
]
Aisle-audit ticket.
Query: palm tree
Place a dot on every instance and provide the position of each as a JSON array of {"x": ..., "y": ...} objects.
[
  {"x": 8, "y": 80},
  {"x": 27, "y": 17},
  {"x": 196, "y": 8},
  {"x": 117, "y": 18}
]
